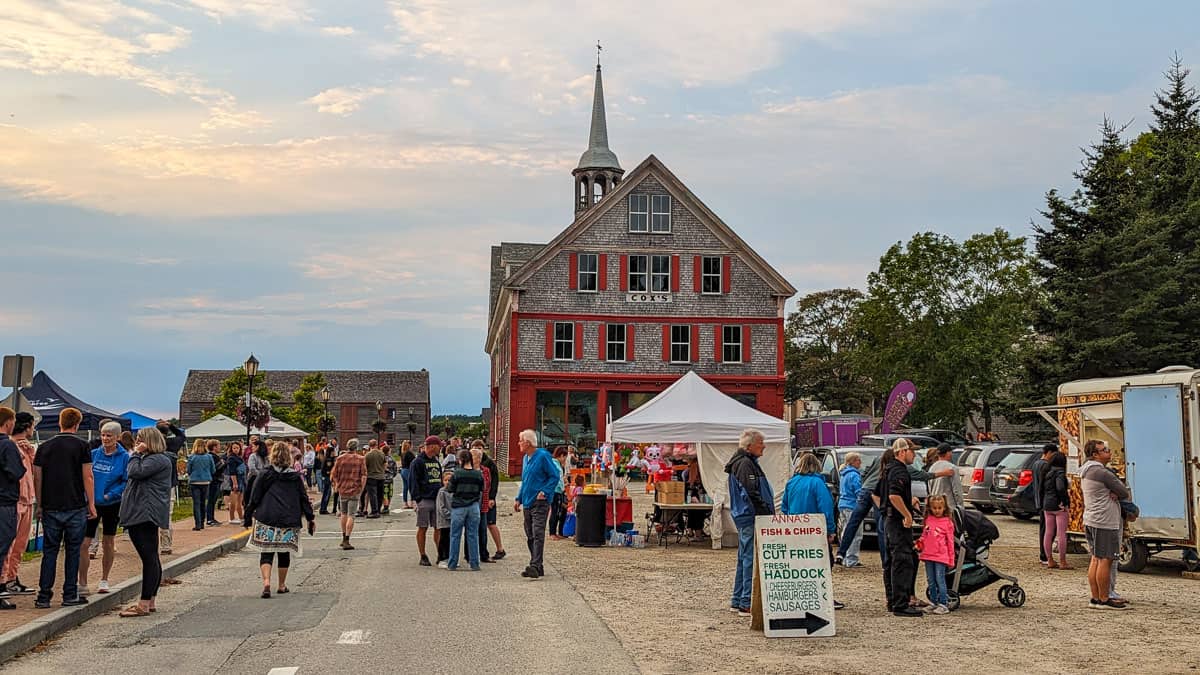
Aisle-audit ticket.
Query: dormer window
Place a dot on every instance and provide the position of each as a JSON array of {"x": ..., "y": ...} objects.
[
  {"x": 660, "y": 213},
  {"x": 650, "y": 213},
  {"x": 639, "y": 213}
]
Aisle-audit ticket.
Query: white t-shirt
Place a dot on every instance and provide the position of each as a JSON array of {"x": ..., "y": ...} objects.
[{"x": 947, "y": 486}]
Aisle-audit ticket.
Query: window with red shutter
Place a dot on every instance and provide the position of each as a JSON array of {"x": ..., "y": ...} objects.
[
  {"x": 695, "y": 344},
  {"x": 573, "y": 271},
  {"x": 624, "y": 273},
  {"x": 666, "y": 343},
  {"x": 602, "y": 334},
  {"x": 549, "y": 340},
  {"x": 578, "y": 341},
  {"x": 674, "y": 274},
  {"x": 746, "y": 341},
  {"x": 697, "y": 273},
  {"x": 726, "y": 276},
  {"x": 718, "y": 343},
  {"x": 603, "y": 271},
  {"x": 629, "y": 350}
]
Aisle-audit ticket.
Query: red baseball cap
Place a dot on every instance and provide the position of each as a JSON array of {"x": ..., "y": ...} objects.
[{"x": 433, "y": 440}]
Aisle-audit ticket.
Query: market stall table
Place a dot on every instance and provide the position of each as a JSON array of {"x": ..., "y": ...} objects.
[{"x": 676, "y": 512}]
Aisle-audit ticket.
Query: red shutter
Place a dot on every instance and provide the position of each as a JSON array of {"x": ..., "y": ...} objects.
[
  {"x": 578, "y": 341},
  {"x": 666, "y": 343},
  {"x": 573, "y": 271},
  {"x": 726, "y": 268},
  {"x": 718, "y": 335},
  {"x": 603, "y": 342},
  {"x": 629, "y": 350},
  {"x": 697, "y": 274},
  {"x": 674, "y": 274},
  {"x": 603, "y": 272},
  {"x": 746, "y": 335},
  {"x": 695, "y": 344},
  {"x": 549, "y": 340},
  {"x": 624, "y": 272}
]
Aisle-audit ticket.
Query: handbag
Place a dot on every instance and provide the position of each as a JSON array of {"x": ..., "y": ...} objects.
[{"x": 569, "y": 525}]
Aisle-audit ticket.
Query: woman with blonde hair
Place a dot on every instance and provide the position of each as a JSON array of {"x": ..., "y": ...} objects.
[
  {"x": 200, "y": 473},
  {"x": 145, "y": 508},
  {"x": 278, "y": 501}
]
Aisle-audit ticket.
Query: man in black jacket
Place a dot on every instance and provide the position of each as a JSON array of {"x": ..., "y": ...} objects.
[
  {"x": 1039, "y": 475},
  {"x": 427, "y": 481},
  {"x": 492, "y": 527},
  {"x": 896, "y": 501},
  {"x": 12, "y": 469},
  {"x": 750, "y": 495}
]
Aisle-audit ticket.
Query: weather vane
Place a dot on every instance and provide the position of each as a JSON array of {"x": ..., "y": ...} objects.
[{"x": 598, "y": 48}]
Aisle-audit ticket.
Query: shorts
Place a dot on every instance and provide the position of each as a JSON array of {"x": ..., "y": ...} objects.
[
  {"x": 427, "y": 513},
  {"x": 108, "y": 514},
  {"x": 491, "y": 516},
  {"x": 1103, "y": 544},
  {"x": 347, "y": 506}
]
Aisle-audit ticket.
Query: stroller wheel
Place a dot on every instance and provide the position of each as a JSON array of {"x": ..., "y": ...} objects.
[
  {"x": 1015, "y": 597},
  {"x": 954, "y": 601},
  {"x": 1002, "y": 593}
]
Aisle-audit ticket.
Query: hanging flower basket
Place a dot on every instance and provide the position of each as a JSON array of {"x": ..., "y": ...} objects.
[
  {"x": 327, "y": 424},
  {"x": 258, "y": 415}
]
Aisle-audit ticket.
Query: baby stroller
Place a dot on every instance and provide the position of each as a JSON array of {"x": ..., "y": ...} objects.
[{"x": 971, "y": 571}]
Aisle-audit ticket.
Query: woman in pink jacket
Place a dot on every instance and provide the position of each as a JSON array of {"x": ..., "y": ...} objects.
[{"x": 937, "y": 550}]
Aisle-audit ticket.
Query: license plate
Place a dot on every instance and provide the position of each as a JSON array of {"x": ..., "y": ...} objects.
[{"x": 1001, "y": 482}]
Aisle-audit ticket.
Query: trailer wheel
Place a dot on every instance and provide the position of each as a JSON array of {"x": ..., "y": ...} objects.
[{"x": 1134, "y": 555}]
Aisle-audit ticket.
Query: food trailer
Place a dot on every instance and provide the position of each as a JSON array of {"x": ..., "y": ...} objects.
[{"x": 1152, "y": 424}]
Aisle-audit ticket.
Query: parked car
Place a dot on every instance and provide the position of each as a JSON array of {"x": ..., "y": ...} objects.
[
  {"x": 942, "y": 436},
  {"x": 1012, "y": 484},
  {"x": 886, "y": 440},
  {"x": 965, "y": 465},
  {"x": 978, "y": 493},
  {"x": 831, "y": 462}
]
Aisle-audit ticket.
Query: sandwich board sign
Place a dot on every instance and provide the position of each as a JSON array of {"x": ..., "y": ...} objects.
[{"x": 795, "y": 580}]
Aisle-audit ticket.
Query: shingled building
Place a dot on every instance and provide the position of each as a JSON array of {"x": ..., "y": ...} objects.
[
  {"x": 646, "y": 284},
  {"x": 353, "y": 395}
]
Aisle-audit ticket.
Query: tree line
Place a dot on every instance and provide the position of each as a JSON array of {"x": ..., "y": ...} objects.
[{"x": 1109, "y": 285}]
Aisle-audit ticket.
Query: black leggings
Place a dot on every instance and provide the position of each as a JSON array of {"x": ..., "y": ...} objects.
[
  {"x": 145, "y": 541},
  {"x": 285, "y": 559}
]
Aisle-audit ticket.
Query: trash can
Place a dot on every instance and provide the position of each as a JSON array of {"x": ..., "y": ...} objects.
[{"x": 589, "y": 520}]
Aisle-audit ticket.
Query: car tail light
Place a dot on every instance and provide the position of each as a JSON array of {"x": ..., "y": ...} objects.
[
  {"x": 977, "y": 476},
  {"x": 1025, "y": 478}
]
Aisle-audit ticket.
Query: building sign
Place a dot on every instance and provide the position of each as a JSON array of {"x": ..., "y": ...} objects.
[
  {"x": 794, "y": 575},
  {"x": 648, "y": 297}
]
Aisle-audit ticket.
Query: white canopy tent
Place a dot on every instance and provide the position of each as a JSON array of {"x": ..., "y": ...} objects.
[
  {"x": 223, "y": 427},
  {"x": 693, "y": 411}
]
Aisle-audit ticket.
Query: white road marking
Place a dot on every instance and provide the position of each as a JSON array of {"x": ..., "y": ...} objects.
[
  {"x": 355, "y": 637},
  {"x": 284, "y": 671}
]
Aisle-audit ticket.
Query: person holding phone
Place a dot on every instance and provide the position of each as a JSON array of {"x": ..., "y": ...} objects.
[{"x": 146, "y": 509}]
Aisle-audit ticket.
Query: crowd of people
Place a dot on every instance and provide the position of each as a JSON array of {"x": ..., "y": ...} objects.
[{"x": 886, "y": 491}]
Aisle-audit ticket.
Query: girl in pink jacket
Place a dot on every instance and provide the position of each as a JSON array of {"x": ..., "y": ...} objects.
[{"x": 937, "y": 550}]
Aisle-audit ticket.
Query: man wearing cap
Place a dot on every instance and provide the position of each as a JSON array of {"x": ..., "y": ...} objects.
[{"x": 427, "y": 480}]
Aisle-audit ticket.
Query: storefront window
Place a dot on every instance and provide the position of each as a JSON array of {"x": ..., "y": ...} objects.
[
  {"x": 567, "y": 418},
  {"x": 746, "y": 399}
]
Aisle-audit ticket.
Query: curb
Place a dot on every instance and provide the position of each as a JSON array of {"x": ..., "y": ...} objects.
[{"x": 20, "y": 640}]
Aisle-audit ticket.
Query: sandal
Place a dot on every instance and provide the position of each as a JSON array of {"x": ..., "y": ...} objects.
[
  {"x": 132, "y": 611},
  {"x": 283, "y": 589},
  {"x": 266, "y": 594},
  {"x": 1064, "y": 566},
  {"x": 1050, "y": 564}
]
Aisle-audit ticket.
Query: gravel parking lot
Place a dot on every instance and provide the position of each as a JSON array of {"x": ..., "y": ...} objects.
[{"x": 669, "y": 609}]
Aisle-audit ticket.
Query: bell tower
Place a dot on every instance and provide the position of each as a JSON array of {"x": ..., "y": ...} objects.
[{"x": 598, "y": 171}]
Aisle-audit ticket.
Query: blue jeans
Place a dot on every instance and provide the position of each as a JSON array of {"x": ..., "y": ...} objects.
[
  {"x": 935, "y": 576},
  {"x": 199, "y": 503},
  {"x": 743, "y": 580},
  {"x": 862, "y": 507},
  {"x": 406, "y": 478},
  {"x": 464, "y": 518},
  {"x": 61, "y": 528},
  {"x": 881, "y": 538},
  {"x": 851, "y": 557},
  {"x": 326, "y": 490}
]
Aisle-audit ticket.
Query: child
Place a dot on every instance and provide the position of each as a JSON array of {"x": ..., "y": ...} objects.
[
  {"x": 443, "y": 520},
  {"x": 573, "y": 497},
  {"x": 937, "y": 550}
]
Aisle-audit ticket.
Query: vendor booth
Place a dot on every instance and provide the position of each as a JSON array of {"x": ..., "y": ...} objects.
[
  {"x": 225, "y": 428},
  {"x": 49, "y": 398},
  {"x": 138, "y": 420},
  {"x": 693, "y": 411}
]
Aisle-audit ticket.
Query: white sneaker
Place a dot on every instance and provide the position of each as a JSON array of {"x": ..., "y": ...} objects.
[
  {"x": 443, "y": 565},
  {"x": 940, "y": 609},
  {"x": 83, "y": 591},
  {"x": 103, "y": 587}
]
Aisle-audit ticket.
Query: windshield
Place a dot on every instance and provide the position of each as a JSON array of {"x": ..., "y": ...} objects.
[
  {"x": 868, "y": 459},
  {"x": 1014, "y": 460}
]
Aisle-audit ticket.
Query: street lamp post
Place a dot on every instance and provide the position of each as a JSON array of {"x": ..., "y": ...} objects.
[
  {"x": 325, "y": 400},
  {"x": 379, "y": 427},
  {"x": 412, "y": 426},
  {"x": 251, "y": 367}
]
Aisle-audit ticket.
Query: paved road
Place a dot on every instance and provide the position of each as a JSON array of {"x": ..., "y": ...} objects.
[{"x": 371, "y": 610}]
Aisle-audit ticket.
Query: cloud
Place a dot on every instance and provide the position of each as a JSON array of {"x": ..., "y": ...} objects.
[
  {"x": 265, "y": 13},
  {"x": 342, "y": 101},
  {"x": 337, "y": 31},
  {"x": 460, "y": 82}
]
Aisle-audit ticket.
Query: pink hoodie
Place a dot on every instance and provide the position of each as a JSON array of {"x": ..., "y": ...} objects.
[{"x": 937, "y": 540}]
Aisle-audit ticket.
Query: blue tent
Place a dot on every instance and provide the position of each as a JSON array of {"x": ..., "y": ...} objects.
[{"x": 138, "y": 420}]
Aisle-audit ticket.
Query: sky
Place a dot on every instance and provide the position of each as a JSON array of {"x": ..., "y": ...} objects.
[{"x": 184, "y": 182}]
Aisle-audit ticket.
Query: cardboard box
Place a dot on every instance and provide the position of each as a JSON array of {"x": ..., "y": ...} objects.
[{"x": 670, "y": 492}]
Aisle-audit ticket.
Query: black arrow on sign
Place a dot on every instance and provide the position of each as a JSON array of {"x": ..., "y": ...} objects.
[{"x": 811, "y": 623}]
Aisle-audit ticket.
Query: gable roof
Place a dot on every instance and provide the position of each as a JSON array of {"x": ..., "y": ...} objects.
[
  {"x": 652, "y": 166},
  {"x": 345, "y": 386}
]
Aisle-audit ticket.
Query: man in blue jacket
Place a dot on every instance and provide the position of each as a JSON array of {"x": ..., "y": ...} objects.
[
  {"x": 750, "y": 495},
  {"x": 110, "y": 463},
  {"x": 539, "y": 477}
]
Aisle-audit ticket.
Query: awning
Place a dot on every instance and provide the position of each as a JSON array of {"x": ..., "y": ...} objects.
[{"x": 1085, "y": 409}]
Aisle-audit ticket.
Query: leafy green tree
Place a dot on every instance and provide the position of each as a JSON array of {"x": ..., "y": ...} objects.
[
  {"x": 306, "y": 411},
  {"x": 951, "y": 317},
  {"x": 821, "y": 337},
  {"x": 233, "y": 390}
]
